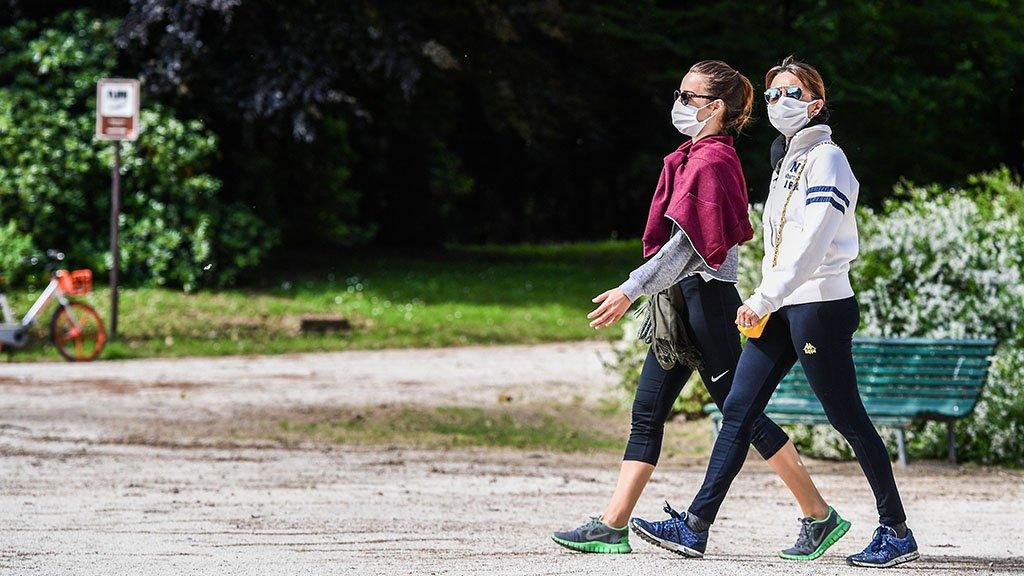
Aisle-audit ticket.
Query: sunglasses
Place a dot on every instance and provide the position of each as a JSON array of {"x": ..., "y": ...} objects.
[
  {"x": 685, "y": 96},
  {"x": 772, "y": 95}
]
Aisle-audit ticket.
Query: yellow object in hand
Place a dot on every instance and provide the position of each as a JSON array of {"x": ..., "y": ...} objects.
[{"x": 755, "y": 330}]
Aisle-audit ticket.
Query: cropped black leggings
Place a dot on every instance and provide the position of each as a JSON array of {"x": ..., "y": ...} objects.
[
  {"x": 711, "y": 307},
  {"x": 820, "y": 334}
]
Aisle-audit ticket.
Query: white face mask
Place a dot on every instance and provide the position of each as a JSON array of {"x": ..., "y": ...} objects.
[
  {"x": 684, "y": 118},
  {"x": 789, "y": 115}
]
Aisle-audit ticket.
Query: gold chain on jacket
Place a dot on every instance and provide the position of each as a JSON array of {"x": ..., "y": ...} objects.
[{"x": 789, "y": 196}]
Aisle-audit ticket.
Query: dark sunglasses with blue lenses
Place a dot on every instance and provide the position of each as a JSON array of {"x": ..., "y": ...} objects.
[{"x": 772, "y": 95}]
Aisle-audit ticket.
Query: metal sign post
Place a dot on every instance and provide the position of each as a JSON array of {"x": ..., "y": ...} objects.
[
  {"x": 115, "y": 228},
  {"x": 117, "y": 118}
]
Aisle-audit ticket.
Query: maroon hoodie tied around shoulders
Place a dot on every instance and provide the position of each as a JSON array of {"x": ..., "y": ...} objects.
[{"x": 701, "y": 189}]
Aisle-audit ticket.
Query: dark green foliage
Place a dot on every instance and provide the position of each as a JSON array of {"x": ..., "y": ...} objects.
[
  {"x": 549, "y": 119},
  {"x": 55, "y": 179},
  {"x": 345, "y": 123}
]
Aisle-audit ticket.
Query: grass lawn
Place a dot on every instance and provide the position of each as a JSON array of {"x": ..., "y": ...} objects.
[
  {"x": 560, "y": 427},
  {"x": 464, "y": 295}
]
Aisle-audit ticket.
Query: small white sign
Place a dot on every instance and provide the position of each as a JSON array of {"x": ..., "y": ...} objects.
[{"x": 117, "y": 109}]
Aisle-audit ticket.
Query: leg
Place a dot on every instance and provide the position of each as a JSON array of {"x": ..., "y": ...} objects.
[
  {"x": 633, "y": 478},
  {"x": 762, "y": 365},
  {"x": 655, "y": 394},
  {"x": 711, "y": 307},
  {"x": 712, "y": 310},
  {"x": 790, "y": 468},
  {"x": 822, "y": 332}
]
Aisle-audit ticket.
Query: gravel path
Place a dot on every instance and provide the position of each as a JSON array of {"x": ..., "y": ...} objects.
[{"x": 80, "y": 494}]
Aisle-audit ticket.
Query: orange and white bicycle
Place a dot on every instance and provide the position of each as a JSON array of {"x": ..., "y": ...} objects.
[{"x": 76, "y": 329}]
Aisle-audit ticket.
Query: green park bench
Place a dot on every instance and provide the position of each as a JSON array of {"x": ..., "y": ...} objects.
[{"x": 901, "y": 380}]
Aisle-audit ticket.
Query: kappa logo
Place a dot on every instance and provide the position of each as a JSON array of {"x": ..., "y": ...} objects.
[{"x": 810, "y": 349}]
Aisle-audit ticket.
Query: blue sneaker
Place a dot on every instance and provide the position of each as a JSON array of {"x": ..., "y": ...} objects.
[
  {"x": 886, "y": 550},
  {"x": 672, "y": 534}
]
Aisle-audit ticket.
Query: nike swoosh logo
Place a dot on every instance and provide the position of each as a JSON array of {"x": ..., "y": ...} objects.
[{"x": 719, "y": 377}]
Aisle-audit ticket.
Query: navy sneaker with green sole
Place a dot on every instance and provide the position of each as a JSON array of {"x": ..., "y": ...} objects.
[
  {"x": 595, "y": 536},
  {"x": 817, "y": 536}
]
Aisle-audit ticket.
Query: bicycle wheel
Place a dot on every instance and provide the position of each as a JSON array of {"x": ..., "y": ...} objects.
[{"x": 78, "y": 333}]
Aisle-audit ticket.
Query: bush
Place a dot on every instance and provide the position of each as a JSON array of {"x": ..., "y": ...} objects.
[
  {"x": 15, "y": 249},
  {"x": 56, "y": 178}
]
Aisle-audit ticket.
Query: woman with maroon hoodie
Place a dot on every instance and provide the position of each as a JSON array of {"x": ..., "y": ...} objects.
[{"x": 697, "y": 220}]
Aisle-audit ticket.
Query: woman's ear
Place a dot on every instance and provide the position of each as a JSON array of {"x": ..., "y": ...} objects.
[
  {"x": 815, "y": 108},
  {"x": 717, "y": 108}
]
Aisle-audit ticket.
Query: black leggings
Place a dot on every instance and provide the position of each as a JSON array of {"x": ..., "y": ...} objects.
[
  {"x": 820, "y": 334},
  {"x": 711, "y": 307}
]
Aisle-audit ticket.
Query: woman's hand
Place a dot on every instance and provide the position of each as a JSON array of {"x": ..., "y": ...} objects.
[
  {"x": 614, "y": 304},
  {"x": 746, "y": 318}
]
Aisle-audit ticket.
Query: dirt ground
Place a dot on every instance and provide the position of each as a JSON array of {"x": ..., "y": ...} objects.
[{"x": 126, "y": 468}]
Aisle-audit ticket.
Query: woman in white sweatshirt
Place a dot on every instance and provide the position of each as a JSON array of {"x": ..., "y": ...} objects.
[{"x": 810, "y": 237}]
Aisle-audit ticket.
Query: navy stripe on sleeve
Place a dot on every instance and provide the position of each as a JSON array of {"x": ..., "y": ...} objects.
[
  {"x": 831, "y": 189},
  {"x": 835, "y": 204}
]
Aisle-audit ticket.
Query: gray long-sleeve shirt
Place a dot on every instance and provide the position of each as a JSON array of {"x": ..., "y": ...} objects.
[{"x": 676, "y": 260}]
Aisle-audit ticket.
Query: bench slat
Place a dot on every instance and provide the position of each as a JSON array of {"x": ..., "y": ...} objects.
[
  {"x": 940, "y": 371},
  {"x": 800, "y": 379},
  {"x": 886, "y": 395},
  {"x": 951, "y": 384},
  {"x": 877, "y": 400},
  {"x": 908, "y": 408},
  {"x": 973, "y": 342},
  {"x": 948, "y": 363},
  {"x": 921, "y": 351}
]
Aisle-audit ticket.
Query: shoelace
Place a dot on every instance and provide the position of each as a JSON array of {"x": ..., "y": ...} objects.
[
  {"x": 879, "y": 540},
  {"x": 673, "y": 526},
  {"x": 804, "y": 538},
  {"x": 671, "y": 512}
]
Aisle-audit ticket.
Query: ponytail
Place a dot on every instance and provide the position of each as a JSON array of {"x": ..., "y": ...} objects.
[{"x": 732, "y": 88}]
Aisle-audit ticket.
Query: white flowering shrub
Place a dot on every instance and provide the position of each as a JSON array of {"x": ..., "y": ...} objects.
[
  {"x": 939, "y": 263},
  {"x": 942, "y": 264}
]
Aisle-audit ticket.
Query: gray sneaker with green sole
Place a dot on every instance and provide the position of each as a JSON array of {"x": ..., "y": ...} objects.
[
  {"x": 595, "y": 536},
  {"x": 816, "y": 536}
]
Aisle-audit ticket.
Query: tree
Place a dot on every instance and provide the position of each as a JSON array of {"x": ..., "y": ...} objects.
[
  {"x": 54, "y": 178},
  {"x": 415, "y": 122}
]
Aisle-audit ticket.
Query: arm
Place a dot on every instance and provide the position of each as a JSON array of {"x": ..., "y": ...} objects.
[
  {"x": 676, "y": 259},
  {"x": 827, "y": 198}
]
